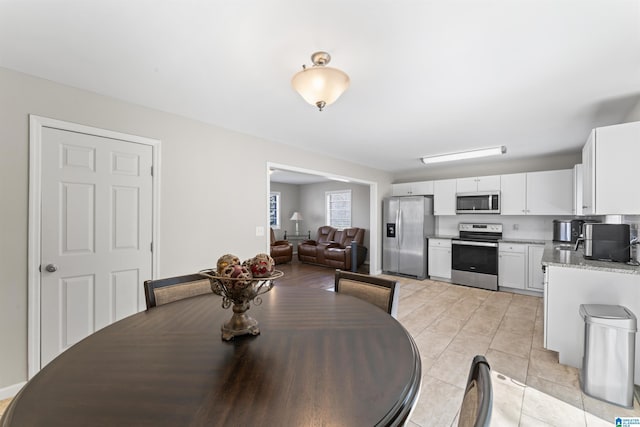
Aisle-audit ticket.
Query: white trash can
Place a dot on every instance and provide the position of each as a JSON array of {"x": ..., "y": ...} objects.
[{"x": 609, "y": 353}]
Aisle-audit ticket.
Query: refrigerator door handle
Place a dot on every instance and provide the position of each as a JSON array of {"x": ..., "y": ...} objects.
[{"x": 399, "y": 214}]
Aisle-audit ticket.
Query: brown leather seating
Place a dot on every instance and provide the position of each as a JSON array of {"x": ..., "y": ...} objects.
[
  {"x": 333, "y": 247},
  {"x": 281, "y": 250}
]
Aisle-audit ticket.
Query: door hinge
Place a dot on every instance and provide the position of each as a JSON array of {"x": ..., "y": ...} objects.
[
  {"x": 151, "y": 246},
  {"x": 151, "y": 170},
  {"x": 40, "y": 268}
]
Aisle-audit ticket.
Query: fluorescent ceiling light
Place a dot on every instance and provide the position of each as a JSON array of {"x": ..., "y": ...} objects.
[{"x": 483, "y": 152}]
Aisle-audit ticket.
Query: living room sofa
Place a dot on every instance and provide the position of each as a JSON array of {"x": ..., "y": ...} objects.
[{"x": 332, "y": 247}]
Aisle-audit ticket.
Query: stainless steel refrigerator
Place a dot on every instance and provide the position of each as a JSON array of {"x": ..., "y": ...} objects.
[{"x": 407, "y": 222}]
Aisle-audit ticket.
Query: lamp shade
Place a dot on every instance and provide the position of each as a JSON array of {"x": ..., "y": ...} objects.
[
  {"x": 320, "y": 84},
  {"x": 296, "y": 216}
]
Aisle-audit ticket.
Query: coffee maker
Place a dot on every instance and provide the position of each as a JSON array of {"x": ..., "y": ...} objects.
[{"x": 567, "y": 230}]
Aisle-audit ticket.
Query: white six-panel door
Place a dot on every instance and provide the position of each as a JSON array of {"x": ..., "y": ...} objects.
[{"x": 96, "y": 234}]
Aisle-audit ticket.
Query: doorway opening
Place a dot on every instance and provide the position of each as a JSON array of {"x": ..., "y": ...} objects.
[{"x": 320, "y": 182}]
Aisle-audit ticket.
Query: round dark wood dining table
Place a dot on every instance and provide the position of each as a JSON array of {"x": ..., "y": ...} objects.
[{"x": 322, "y": 359}]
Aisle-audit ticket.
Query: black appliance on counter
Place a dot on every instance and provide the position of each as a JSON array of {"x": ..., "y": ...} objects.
[
  {"x": 608, "y": 242},
  {"x": 474, "y": 255}
]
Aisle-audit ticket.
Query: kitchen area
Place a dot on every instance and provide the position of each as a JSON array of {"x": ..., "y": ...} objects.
[{"x": 569, "y": 236}]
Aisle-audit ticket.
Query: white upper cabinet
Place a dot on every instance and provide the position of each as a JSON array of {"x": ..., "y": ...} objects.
[
  {"x": 513, "y": 194},
  {"x": 588, "y": 175},
  {"x": 550, "y": 192},
  {"x": 478, "y": 183},
  {"x": 420, "y": 188},
  {"x": 577, "y": 189},
  {"x": 444, "y": 197},
  {"x": 537, "y": 193},
  {"x": 610, "y": 170}
]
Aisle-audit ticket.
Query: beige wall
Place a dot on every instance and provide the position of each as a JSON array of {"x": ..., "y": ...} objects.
[
  {"x": 289, "y": 203},
  {"x": 312, "y": 202},
  {"x": 213, "y": 195}
]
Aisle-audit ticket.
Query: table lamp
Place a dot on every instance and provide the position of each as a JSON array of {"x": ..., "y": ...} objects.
[{"x": 296, "y": 217}]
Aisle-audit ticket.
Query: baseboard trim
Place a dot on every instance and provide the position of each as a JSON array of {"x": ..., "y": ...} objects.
[{"x": 11, "y": 391}]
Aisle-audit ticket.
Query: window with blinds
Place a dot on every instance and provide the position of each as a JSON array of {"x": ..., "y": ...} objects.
[
  {"x": 339, "y": 208},
  {"x": 274, "y": 209}
]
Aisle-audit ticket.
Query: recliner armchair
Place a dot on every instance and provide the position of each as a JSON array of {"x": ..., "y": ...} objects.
[
  {"x": 313, "y": 250},
  {"x": 338, "y": 254},
  {"x": 281, "y": 250}
]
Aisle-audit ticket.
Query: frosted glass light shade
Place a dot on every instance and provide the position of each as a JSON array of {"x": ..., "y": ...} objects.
[{"x": 320, "y": 85}]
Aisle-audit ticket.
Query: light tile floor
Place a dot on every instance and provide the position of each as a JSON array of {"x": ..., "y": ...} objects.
[
  {"x": 451, "y": 324},
  {"x": 3, "y": 405}
]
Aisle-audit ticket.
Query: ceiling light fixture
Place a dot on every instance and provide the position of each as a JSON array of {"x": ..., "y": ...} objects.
[
  {"x": 483, "y": 152},
  {"x": 320, "y": 85}
]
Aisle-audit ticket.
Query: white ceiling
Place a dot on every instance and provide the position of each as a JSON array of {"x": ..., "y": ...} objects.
[{"x": 427, "y": 77}]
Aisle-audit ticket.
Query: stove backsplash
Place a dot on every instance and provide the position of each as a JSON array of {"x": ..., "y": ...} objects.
[
  {"x": 513, "y": 227},
  {"x": 525, "y": 227}
]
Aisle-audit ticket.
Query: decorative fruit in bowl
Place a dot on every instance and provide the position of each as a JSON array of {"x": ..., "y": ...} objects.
[{"x": 262, "y": 265}]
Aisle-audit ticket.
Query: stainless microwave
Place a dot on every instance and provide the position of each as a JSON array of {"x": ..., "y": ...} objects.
[{"x": 487, "y": 202}]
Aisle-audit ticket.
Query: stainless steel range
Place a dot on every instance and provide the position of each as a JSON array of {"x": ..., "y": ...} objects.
[{"x": 474, "y": 255}]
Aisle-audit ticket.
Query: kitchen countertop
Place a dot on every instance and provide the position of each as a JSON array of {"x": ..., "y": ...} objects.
[
  {"x": 563, "y": 255},
  {"x": 508, "y": 240},
  {"x": 523, "y": 241},
  {"x": 441, "y": 236}
]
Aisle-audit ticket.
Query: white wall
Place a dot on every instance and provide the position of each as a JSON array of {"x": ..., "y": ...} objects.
[{"x": 213, "y": 194}]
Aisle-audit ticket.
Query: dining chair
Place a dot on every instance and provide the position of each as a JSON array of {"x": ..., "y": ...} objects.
[
  {"x": 163, "y": 291},
  {"x": 478, "y": 396},
  {"x": 376, "y": 290}
]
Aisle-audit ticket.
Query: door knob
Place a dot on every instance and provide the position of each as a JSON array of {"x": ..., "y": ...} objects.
[{"x": 51, "y": 268}]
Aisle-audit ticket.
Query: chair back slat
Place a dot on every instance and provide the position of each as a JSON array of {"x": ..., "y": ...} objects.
[
  {"x": 477, "y": 402},
  {"x": 375, "y": 290},
  {"x": 163, "y": 291}
]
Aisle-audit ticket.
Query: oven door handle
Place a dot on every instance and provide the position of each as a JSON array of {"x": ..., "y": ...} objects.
[{"x": 466, "y": 243}]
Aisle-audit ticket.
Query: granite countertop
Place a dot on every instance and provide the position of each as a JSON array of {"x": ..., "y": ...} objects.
[
  {"x": 523, "y": 241},
  {"x": 441, "y": 236},
  {"x": 563, "y": 255}
]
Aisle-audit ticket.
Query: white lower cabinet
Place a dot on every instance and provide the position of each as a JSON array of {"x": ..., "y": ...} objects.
[
  {"x": 535, "y": 281},
  {"x": 440, "y": 258},
  {"x": 520, "y": 267},
  {"x": 512, "y": 265}
]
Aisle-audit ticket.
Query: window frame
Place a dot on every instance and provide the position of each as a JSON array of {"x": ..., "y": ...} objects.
[{"x": 327, "y": 198}]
